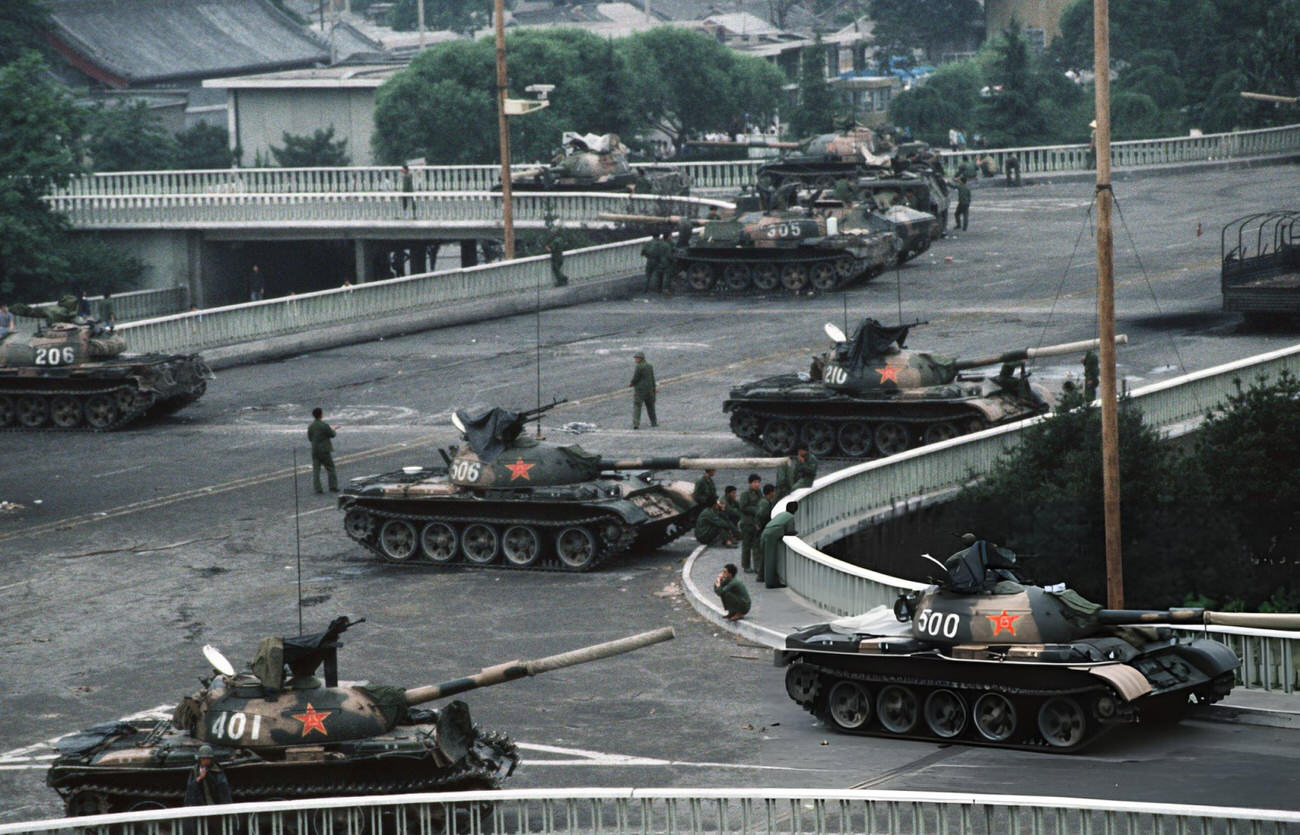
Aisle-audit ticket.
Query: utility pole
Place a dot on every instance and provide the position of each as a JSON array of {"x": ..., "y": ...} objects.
[
  {"x": 419, "y": 21},
  {"x": 503, "y": 128}
]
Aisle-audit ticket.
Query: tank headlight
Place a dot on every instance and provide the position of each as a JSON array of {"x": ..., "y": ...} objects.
[{"x": 1106, "y": 707}]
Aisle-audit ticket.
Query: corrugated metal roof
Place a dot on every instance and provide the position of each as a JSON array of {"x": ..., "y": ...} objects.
[{"x": 143, "y": 41}]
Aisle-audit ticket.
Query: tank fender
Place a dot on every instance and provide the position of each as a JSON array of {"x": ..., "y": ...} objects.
[
  {"x": 627, "y": 510},
  {"x": 1211, "y": 657},
  {"x": 1127, "y": 681}
]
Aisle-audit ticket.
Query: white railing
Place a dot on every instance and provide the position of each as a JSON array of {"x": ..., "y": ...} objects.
[
  {"x": 728, "y": 174},
  {"x": 138, "y": 304},
  {"x": 471, "y": 209},
  {"x": 218, "y": 326},
  {"x": 843, "y": 502},
  {"x": 624, "y": 811}
]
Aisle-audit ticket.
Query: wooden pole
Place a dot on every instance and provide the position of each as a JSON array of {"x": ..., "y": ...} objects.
[
  {"x": 503, "y": 127},
  {"x": 1106, "y": 310}
]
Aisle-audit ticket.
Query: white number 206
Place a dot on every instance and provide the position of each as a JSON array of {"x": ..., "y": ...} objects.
[{"x": 55, "y": 356}]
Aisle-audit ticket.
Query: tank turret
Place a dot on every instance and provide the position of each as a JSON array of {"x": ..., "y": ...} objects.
[
  {"x": 506, "y": 499},
  {"x": 278, "y": 730},
  {"x": 588, "y": 162},
  {"x": 870, "y": 395},
  {"x": 983, "y": 657}
]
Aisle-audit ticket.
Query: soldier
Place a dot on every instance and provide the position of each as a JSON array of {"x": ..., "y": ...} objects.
[
  {"x": 961, "y": 218},
  {"x": 643, "y": 391},
  {"x": 799, "y": 471},
  {"x": 706, "y": 492},
  {"x": 735, "y": 597},
  {"x": 748, "y": 505},
  {"x": 844, "y": 191},
  {"x": 731, "y": 504},
  {"x": 207, "y": 784},
  {"x": 1091, "y": 375},
  {"x": 762, "y": 515},
  {"x": 662, "y": 280},
  {"x": 319, "y": 433},
  {"x": 712, "y": 527},
  {"x": 557, "y": 261},
  {"x": 652, "y": 254},
  {"x": 782, "y": 525}
]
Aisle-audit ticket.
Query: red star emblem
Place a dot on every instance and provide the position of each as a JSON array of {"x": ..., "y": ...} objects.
[
  {"x": 1003, "y": 621},
  {"x": 313, "y": 720},
  {"x": 519, "y": 469},
  {"x": 888, "y": 373}
]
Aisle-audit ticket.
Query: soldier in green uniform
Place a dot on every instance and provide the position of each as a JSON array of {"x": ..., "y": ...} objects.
[
  {"x": 319, "y": 433},
  {"x": 844, "y": 191},
  {"x": 961, "y": 218},
  {"x": 712, "y": 527},
  {"x": 1091, "y": 375},
  {"x": 735, "y": 597},
  {"x": 662, "y": 279},
  {"x": 748, "y": 504},
  {"x": 731, "y": 502},
  {"x": 557, "y": 261},
  {"x": 651, "y": 253},
  {"x": 643, "y": 391},
  {"x": 706, "y": 492},
  {"x": 762, "y": 515},
  {"x": 799, "y": 471},
  {"x": 782, "y": 525}
]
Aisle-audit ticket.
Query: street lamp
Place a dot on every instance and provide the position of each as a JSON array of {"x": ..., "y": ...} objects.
[{"x": 507, "y": 107}]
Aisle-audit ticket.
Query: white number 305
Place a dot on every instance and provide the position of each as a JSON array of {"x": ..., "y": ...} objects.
[{"x": 55, "y": 356}]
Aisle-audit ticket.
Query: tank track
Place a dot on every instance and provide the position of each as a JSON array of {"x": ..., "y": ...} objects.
[
  {"x": 1026, "y": 733},
  {"x": 709, "y": 273},
  {"x": 750, "y": 424},
  {"x": 140, "y": 403},
  {"x": 95, "y": 798},
  {"x": 607, "y": 547}
]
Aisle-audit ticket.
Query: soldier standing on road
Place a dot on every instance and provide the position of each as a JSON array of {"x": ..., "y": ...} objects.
[
  {"x": 652, "y": 254},
  {"x": 663, "y": 279},
  {"x": 706, "y": 492},
  {"x": 207, "y": 784},
  {"x": 735, "y": 597},
  {"x": 319, "y": 433},
  {"x": 762, "y": 515},
  {"x": 643, "y": 391},
  {"x": 961, "y": 218},
  {"x": 782, "y": 525},
  {"x": 557, "y": 261},
  {"x": 748, "y": 505}
]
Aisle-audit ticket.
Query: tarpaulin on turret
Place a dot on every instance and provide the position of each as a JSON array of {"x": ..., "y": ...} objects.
[
  {"x": 871, "y": 339},
  {"x": 489, "y": 433}
]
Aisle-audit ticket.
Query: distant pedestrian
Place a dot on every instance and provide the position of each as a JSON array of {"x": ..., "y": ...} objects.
[
  {"x": 207, "y": 784},
  {"x": 735, "y": 597},
  {"x": 6, "y": 321},
  {"x": 408, "y": 191},
  {"x": 256, "y": 284},
  {"x": 712, "y": 527},
  {"x": 961, "y": 217},
  {"x": 322, "y": 448},
  {"x": 557, "y": 261},
  {"x": 643, "y": 390},
  {"x": 106, "y": 315},
  {"x": 1013, "y": 170},
  {"x": 781, "y": 526},
  {"x": 83, "y": 305}
]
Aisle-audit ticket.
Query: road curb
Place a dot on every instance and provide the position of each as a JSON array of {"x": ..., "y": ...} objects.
[{"x": 715, "y": 614}]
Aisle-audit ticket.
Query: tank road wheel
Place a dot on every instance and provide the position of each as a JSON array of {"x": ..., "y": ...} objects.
[
  {"x": 794, "y": 277},
  {"x": 767, "y": 277},
  {"x": 480, "y": 543},
  {"x": 33, "y": 410},
  {"x": 936, "y": 432},
  {"x": 358, "y": 524},
  {"x": 801, "y": 683},
  {"x": 846, "y": 268},
  {"x": 855, "y": 439},
  {"x": 438, "y": 542},
  {"x": 8, "y": 410},
  {"x": 779, "y": 437},
  {"x": 397, "y": 540},
  {"x": 898, "y": 708},
  {"x": 521, "y": 545},
  {"x": 824, "y": 276},
  {"x": 744, "y": 424},
  {"x": 892, "y": 438},
  {"x": 995, "y": 717},
  {"x": 65, "y": 411},
  {"x": 848, "y": 705},
  {"x": 1062, "y": 722},
  {"x": 945, "y": 713},
  {"x": 736, "y": 277},
  {"x": 819, "y": 436},
  {"x": 101, "y": 411},
  {"x": 576, "y": 548},
  {"x": 699, "y": 276}
]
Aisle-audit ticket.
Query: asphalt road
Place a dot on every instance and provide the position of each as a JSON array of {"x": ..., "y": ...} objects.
[{"x": 132, "y": 550}]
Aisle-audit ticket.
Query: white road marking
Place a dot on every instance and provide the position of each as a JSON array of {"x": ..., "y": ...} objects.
[
  {"x": 310, "y": 512},
  {"x": 119, "y": 472}
]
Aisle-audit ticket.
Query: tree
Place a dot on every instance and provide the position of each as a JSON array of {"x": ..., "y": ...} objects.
[
  {"x": 463, "y": 16},
  {"x": 22, "y": 23},
  {"x": 946, "y": 100},
  {"x": 129, "y": 137},
  {"x": 318, "y": 150},
  {"x": 204, "y": 146},
  {"x": 41, "y": 151},
  {"x": 815, "y": 112},
  {"x": 933, "y": 26},
  {"x": 1013, "y": 114}
]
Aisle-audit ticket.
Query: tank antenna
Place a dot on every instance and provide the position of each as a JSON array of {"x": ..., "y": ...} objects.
[
  {"x": 297, "y": 535},
  {"x": 537, "y": 349},
  {"x": 898, "y": 290},
  {"x": 844, "y": 296}
]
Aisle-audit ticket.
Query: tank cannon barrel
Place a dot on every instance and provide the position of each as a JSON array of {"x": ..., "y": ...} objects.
[
  {"x": 669, "y": 463},
  {"x": 1252, "y": 620},
  {"x": 511, "y": 670},
  {"x": 666, "y": 220},
  {"x": 1031, "y": 353}
]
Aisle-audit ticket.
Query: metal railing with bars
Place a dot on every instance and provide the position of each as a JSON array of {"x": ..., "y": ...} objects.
[
  {"x": 843, "y": 502},
  {"x": 729, "y": 174},
  {"x": 623, "y": 811},
  {"x": 136, "y": 304}
]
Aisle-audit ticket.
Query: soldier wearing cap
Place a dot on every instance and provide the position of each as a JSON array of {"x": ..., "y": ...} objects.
[
  {"x": 749, "y": 524},
  {"x": 643, "y": 390},
  {"x": 207, "y": 784}
]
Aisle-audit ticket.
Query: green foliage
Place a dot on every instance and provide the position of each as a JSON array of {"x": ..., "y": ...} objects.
[
  {"x": 21, "y": 25},
  {"x": 462, "y": 16},
  {"x": 128, "y": 136},
  {"x": 318, "y": 150},
  {"x": 204, "y": 146},
  {"x": 41, "y": 151},
  {"x": 936, "y": 26},
  {"x": 815, "y": 112},
  {"x": 96, "y": 266}
]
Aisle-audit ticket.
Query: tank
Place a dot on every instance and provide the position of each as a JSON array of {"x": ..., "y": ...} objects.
[
  {"x": 981, "y": 657},
  {"x": 75, "y": 376},
  {"x": 821, "y": 245},
  {"x": 598, "y": 163},
  {"x": 822, "y": 160},
  {"x": 870, "y": 396},
  {"x": 506, "y": 500},
  {"x": 280, "y": 732}
]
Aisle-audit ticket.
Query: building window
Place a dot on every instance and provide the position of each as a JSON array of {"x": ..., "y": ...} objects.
[{"x": 1036, "y": 38}]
